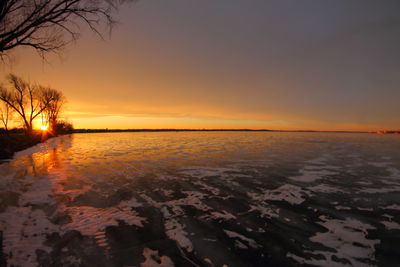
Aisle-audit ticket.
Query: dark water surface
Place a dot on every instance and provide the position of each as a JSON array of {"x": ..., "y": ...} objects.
[{"x": 203, "y": 199}]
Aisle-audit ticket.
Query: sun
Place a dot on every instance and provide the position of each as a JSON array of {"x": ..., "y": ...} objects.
[{"x": 44, "y": 127}]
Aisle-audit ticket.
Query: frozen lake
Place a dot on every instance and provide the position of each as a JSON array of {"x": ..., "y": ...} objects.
[{"x": 203, "y": 199}]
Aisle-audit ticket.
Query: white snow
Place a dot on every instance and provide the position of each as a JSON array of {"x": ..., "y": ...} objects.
[
  {"x": 289, "y": 193},
  {"x": 24, "y": 231},
  {"x": 340, "y": 236},
  {"x": 175, "y": 231}
]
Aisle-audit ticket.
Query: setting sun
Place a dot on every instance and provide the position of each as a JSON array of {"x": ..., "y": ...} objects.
[{"x": 44, "y": 127}]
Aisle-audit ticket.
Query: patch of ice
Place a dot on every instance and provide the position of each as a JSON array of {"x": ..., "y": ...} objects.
[{"x": 249, "y": 241}]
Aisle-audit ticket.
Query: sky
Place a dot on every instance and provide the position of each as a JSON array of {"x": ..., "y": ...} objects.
[{"x": 299, "y": 64}]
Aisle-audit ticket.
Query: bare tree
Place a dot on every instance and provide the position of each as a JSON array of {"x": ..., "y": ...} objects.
[
  {"x": 6, "y": 113},
  {"x": 26, "y": 99},
  {"x": 49, "y": 25},
  {"x": 54, "y": 101}
]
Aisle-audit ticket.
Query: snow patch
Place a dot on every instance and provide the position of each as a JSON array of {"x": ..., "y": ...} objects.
[
  {"x": 249, "y": 241},
  {"x": 90, "y": 220},
  {"x": 289, "y": 193},
  {"x": 24, "y": 231},
  {"x": 391, "y": 207},
  {"x": 152, "y": 259},
  {"x": 265, "y": 212},
  {"x": 347, "y": 238},
  {"x": 391, "y": 225},
  {"x": 221, "y": 215},
  {"x": 175, "y": 231}
]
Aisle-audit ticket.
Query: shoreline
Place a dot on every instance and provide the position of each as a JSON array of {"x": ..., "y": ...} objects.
[
  {"x": 10, "y": 144},
  {"x": 15, "y": 142}
]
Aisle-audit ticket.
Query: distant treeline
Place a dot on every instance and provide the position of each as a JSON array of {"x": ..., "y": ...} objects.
[
  {"x": 164, "y": 130},
  {"x": 203, "y": 130},
  {"x": 388, "y": 132}
]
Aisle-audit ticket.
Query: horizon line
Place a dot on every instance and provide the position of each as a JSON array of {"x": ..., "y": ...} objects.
[{"x": 91, "y": 130}]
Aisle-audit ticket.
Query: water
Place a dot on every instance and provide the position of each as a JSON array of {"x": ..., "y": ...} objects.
[{"x": 203, "y": 199}]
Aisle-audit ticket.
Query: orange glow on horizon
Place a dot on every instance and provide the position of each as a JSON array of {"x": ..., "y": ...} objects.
[
  {"x": 189, "y": 88},
  {"x": 198, "y": 122}
]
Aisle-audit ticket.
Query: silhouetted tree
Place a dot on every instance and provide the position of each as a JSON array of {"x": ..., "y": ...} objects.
[
  {"x": 27, "y": 100},
  {"x": 6, "y": 113},
  {"x": 43, "y": 24},
  {"x": 54, "y": 100}
]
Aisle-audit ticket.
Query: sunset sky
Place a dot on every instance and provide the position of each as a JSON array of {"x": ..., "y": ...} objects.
[{"x": 322, "y": 65}]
